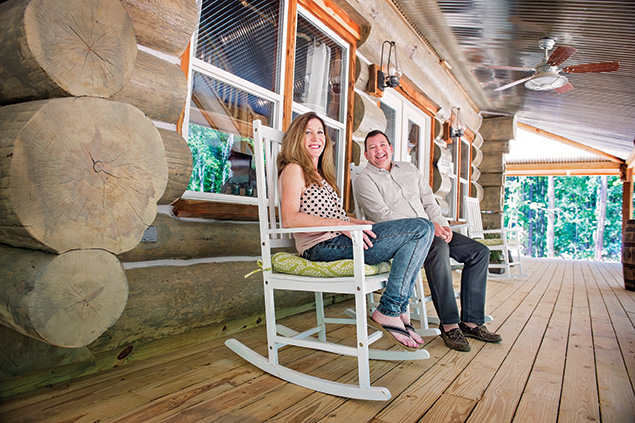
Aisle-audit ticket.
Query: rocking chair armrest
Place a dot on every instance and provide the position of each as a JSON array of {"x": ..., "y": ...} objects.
[{"x": 348, "y": 228}]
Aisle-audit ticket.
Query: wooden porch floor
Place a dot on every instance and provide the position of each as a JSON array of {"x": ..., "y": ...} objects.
[{"x": 568, "y": 355}]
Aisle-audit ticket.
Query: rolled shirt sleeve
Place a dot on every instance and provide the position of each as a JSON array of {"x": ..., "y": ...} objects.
[{"x": 400, "y": 193}]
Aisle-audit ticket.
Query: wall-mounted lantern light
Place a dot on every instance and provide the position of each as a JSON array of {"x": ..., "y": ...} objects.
[
  {"x": 388, "y": 76},
  {"x": 457, "y": 129}
]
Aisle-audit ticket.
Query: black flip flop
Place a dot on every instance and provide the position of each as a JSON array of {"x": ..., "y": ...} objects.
[
  {"x": 409, "y": 327},
  {"x": 387, "y": 329}
]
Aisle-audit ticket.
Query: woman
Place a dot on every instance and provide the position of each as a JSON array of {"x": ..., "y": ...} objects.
[{"x": 309, "y": 197}]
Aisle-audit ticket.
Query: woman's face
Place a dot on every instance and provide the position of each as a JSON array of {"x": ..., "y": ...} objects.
[{"x": 314, "y": 139}]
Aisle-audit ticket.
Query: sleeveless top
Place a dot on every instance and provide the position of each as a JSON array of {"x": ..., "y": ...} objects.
[{"x": 321, "y": 201}]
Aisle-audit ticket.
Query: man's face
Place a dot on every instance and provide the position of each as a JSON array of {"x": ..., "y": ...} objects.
[{"x": 379, "y": 151}]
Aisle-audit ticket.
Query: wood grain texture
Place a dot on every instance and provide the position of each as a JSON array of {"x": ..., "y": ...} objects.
[
  {"x": 187, "y": 239},
  {"x": 206, "y": 381},
  {"x": 64, "y": 48},
  {"x": 179, "y": 161},
  {"x": 67, "y": 300},
  {"x": 78, "y": 173},
  {"x": 158, "y": 88},
  {"x": 164, "y": 25}
]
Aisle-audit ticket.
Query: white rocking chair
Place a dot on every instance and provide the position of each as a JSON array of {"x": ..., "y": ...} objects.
[
  {"x": 272, "y": 235},
  {"x": 507, "y": 241}
]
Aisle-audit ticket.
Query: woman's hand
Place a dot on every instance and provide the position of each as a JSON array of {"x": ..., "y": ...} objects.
[{"x": 366, "y": 235}]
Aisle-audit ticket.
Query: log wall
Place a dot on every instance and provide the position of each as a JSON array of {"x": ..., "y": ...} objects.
[{"x": 83, "y": 167}]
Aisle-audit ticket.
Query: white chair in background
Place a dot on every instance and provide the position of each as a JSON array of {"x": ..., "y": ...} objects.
[
  {"x": 507, "y": 240},
  {"x": 272, "y": 235}
]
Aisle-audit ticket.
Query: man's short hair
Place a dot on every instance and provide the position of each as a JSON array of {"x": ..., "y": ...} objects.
[{"x": 372, "y": 134}]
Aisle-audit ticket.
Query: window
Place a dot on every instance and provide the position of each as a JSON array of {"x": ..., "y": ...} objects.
[
  {"x": 452, "y": 175},
  {"x": 409, "y": 130},
  {"x": 235, "y": 78},
  {"x": 237, "y": 75},
  {"x": 321, "y": 64}
]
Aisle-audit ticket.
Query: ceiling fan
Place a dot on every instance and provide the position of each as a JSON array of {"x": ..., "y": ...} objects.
[{"x": 547, "y": 73}]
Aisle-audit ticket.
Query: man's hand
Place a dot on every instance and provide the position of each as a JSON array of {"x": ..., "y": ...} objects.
[{"x": 443, "y": 232}]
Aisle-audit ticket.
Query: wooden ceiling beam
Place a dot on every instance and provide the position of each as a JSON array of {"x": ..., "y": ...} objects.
[
  {"x": 562, "y": 169},
  {"x": 567, "y": 141}
]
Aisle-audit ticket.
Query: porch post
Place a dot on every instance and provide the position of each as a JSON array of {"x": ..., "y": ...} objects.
[{"x": 496, "y": 133}]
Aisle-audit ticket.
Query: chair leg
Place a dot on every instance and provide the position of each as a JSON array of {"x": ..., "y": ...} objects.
[
  {"x": 319, "y": 312},
  {"x": 270, "y": 324},
  {"x": 362, "y": 342},
  {"x": 419, "y": 305}
]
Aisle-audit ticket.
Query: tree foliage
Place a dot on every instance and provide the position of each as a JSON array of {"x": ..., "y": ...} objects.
[
  {"x": 211, "y": 150},
  {"x": 576, "y": 211}
]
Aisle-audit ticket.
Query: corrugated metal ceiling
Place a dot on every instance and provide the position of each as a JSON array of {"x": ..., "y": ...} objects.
[{"x": 475, "y": 34}]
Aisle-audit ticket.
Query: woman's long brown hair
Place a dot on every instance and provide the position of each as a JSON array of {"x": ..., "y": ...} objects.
[{"x": 294, "y": 151}]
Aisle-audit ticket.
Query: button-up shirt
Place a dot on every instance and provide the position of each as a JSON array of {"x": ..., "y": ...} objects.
[{"x": 399, "y": 193}]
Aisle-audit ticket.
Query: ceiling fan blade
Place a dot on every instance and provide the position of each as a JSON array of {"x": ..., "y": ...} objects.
[
  {"x": 564, "y": 89},
  {"x": 511, "y": 84},
  {"x": 593, "y": 67},
  {"x": 511, "y": 68},
  {"x": 560, "y": 54}
]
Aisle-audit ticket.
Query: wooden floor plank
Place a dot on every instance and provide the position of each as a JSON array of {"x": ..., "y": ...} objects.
[
  {"x": 579, "y": 402},
  {"x": 624, "y": 328},
  {"x": 545, "y": 381},
  {"x": 408, "y": 407},
  {"x": 449, "y": 409},
  {"x": 617, "y": 398},
  {"x": 476, "y": 377},
  {"x": 501, "y": 397}
]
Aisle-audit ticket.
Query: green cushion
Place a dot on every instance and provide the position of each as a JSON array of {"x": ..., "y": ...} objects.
[
  {"x": 491, "y": 241},
  {"x": 296, "y": 265},
  {"x": 496, "y": 241}
]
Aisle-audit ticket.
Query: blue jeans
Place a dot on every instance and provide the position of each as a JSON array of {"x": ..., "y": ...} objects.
[
  {"x": 406, "y": 241},
  {"x": 475, "y": 259}
]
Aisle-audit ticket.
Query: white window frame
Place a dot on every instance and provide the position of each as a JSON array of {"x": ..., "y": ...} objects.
[
  {"x": 231, "y": 79},
  {"x": 405, "y": 111},
  {"x": 341, "y": 124}
]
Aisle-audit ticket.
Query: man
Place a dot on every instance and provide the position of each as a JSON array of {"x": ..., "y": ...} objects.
[{"x": 388, "y": 190}]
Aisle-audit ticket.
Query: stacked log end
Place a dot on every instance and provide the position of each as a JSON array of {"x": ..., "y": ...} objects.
[
  {"x": 64, "y": 48},
  {"x": 163, "y": 25},
  {"x": 66, "y": 300},
  {"x": 80, "y": 173},
  {"x": 156, "y": 87},
  {"x": 82, "y": 165},
  {"x": 179, "y": 161}
]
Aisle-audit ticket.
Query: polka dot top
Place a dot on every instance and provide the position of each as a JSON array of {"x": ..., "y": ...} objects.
[{"x": 321, "y": 201}]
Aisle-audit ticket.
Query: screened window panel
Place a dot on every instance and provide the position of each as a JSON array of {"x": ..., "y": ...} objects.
[
  {"x": 391, "y": 122},
  {"x": 414, "y": 135},
  {"x": 219, "y": 136},
  {"x": 242, "y": 38},
  {"x": 319, "y": 63},
  {"x": 465, "y": 159}
]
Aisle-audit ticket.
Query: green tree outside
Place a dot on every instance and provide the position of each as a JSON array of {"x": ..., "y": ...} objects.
[
  {"x": 576, "y": 211},
  {"x": 210, "y": 157}
]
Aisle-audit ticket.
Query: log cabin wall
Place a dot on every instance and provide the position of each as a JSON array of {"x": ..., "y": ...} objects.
[
  {"x": 89, "y": 103},
  {"x": 188, "y": 284}
]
